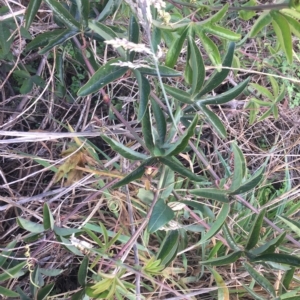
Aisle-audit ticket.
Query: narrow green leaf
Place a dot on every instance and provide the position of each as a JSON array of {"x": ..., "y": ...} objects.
[
  {"x": 275, "y": 86},
  {"x": 264, "y": 20},
  {"x": 264, "y": 91},
  {"x": 287, "y": 279},
  {"x": 217, "y": 77},
  {"x": 183, "y": 141},
  {"x": 294, "y": 25},
  {"x": 215, "y": 121},
  {"x": 179, "y": 94},
  {"x": 249, "y": 184},
  {"x": 136, "y": 174},
  {"x": 102, "y": 77},
  {"x": 163, "y": 71},
  {"x": 133, "y": 35},
  {"x": 177, "y": 167},
  {"x": 223, "y": 292},
  {"x": 211, "y": 193},
  {"x": 240, "y": 170},
  {"x": 248, "y": 14},
  {"x": 123, "y": 150},
  {"x": 13, "y": 272},
  {"x": 45, "y": 291},
  {"x": 219, "y": 15},
  {"x": 197, "y": 66},
  {"x": 252, "y": 293},
  {"x": 26, "y": 86},
  {"x": 260, "y": 279},
  {"x": 174, "y": 50},
  {"x": 280, "y": 96},
  {"x": 65, "y": 231},
  {"x": 30, "y": 226},
  {"x": 68, "y": 245},
  {"x": 8, "y": 293},
  {"x": 83, "y": 7},
  {"x": 147, "y": 130},
  {"x": 22, "y": 295},
  {"x": 109, "y": 9},
  {"x": 82, "y": 272},
  {"x": 161, "y": 215},
  {"x": 265, "y": 115},
  {"x": 293, "y": 225},
  {"x": 226, "y": 96},
  {"x": 211, "y": 49},
  {"x": 31, "y": 11},
  {"x": 254, "y": 233},
  {"x": 144, "y": 92},
  {"x": 283, "y": 33},
  {"x": 279, "y": 258},
  {"x": 63, "y": 15},
  {"x": 270, "y": 246},
  {"x": 217, "y": 225},
  {"x": 160, "y": 120},
  {"x": 4, "y": 254},
  {"x": 48, "y": 220},
  {"x": 43, "y": 39},
  {"x": 222, "y": 32},
  {"x": 223, "y": 260},
  {"x": 169, "y": 247},
  {"x": 229, "y": 238},
  {"x": 51, "y": 272},
  {"x": 58, "y": 40}
]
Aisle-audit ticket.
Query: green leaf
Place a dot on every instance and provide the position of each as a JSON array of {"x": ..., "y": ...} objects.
[
  {"x": 260, "y": 279},
  {"x": 123, "y": 150},
  {"x": 82, "y": 272},
  {"x": 63, "y": 15},
  {"x": 26, "y": 86},
  {"x": 211, "y": 193},
  {"x": 279, "y": 258},
  {"x": 109, "y": 9},
  {"x": 161, "y": 215},
  {"x": 229, "y": 238},
  {"x": 48, "y": 220},
  {"x": 65, "y": 231},
  {"x": 240, "y": 170},
  {"x": 58, "y": 40},
  {"x": 215, "y": 121},
  {"x": 219, "y": 15},
  {"x": 147, "y": 131},
  {"x": 133, "y": 35},
  {"x": 144, "y": 92},
  {"x": 254, "y": 233},
  {"x": 270, "y": 246},
  {"x": 31, "y": 11},
  {"x": 283, "y": 33},
  {"x": 102, "y": 77},
  {"x": 223, "y": 292},
  {"x": 264, "y": 20},
  {"x": 183, "y": 141},
  {"x": 217, "y": 77},
  {"x": 287, "y": 279},
  {"x": 6, "y": 292},
  {"x": 247, "y": 14},
  {"x": 30, "y": 226},
  {"x": 83, "y": 7},
  {"x": 5, "y": 254},
  {"x": 45, "y": 291},
  {"x": 252, "y": 293},
  {"x": 294, "y": 25},
  {"x": 22, "y": 295},
  {"x": 217, "y": 225},
  {"x": 177, "y": 167},
  {"x": 160, "y": 120},
  {"x": 67, "y": 243},
  {"x": 163, "y": 71},
  {"x": 264, "y": 91},
  {"x": 13, "y": 272},
  {"x": 222, "y": 32},
  {"x": 169, "y": 247},
  {"x": 293, "y": 225},
  {"x": 136, "y": 174},
  {"x": 197, "y": 66},
  {"x": 43, "y": 39},
  {"x": 211, "y": 49},
  {"x": 223, "y": 260},
  {"x": 226, "y": 96},
  {"x": 179, "y": 94},
  {"x": 249, "y": 184},
  {"x": 51, "y": 272},
  {"x": 174, "y": 50}
]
